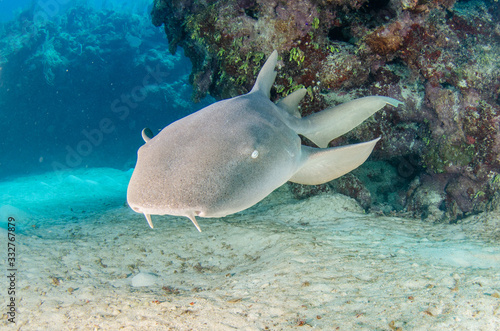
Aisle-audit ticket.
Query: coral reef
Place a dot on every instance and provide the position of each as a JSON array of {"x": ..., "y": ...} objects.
[{"x": 440, "y": 57}]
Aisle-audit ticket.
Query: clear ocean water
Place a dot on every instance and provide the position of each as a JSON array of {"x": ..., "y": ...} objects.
[
  {"x": 90, "y": 64},
  {"x": 79, "y": 80}
]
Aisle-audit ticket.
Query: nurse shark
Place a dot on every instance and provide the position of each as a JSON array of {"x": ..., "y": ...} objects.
[{"x": 230, "y": 155}]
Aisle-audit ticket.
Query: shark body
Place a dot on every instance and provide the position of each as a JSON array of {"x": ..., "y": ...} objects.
[{"x": 230, "y": 155}]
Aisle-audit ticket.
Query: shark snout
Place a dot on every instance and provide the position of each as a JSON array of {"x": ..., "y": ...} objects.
[{"x": 136, "y": 209}]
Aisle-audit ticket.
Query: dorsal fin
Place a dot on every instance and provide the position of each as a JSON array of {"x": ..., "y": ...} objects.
[
  {"x": 267, "y": 74},
  {"x": 147, "y": 134},
  {"x": 328, "y": 124},
  {"x": 291, "y": 102}
]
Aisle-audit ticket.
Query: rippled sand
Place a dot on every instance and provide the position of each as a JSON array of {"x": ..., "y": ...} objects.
[{"x": 284, "y": 264}]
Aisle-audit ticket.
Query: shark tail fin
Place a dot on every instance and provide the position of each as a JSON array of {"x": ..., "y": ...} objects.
[
  {"x": 267, "y": 75},
  {"x": 326, "y": 125},
  {"x": 324, "y": 165}
]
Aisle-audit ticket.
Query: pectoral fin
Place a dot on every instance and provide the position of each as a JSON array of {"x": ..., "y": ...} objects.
[
  {"x": 324, "y": 165},
  {"x": 266, "y": 76}
]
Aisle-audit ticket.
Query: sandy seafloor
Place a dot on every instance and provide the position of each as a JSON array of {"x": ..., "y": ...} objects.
[{"x": 284, "y": 264}]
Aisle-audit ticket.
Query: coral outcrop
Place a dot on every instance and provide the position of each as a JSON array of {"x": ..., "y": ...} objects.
[{"x": 441, "y": 57}]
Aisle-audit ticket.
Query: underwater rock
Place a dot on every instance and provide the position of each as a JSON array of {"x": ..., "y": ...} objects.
[
  {"x": 300, "y": 191},
  {"x": 426, "y": 197},
  {"x": 144, "y": 279},
  {"x": 351, "y": 186},
  {"x": 441, "y": 58}
]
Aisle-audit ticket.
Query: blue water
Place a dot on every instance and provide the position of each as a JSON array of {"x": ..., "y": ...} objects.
[
  {"x": 9, "y": 9},
  {"x": 79, "y": 80}
]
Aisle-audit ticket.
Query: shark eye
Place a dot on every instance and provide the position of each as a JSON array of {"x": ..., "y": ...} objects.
[{"x": 255, "y": 154}]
